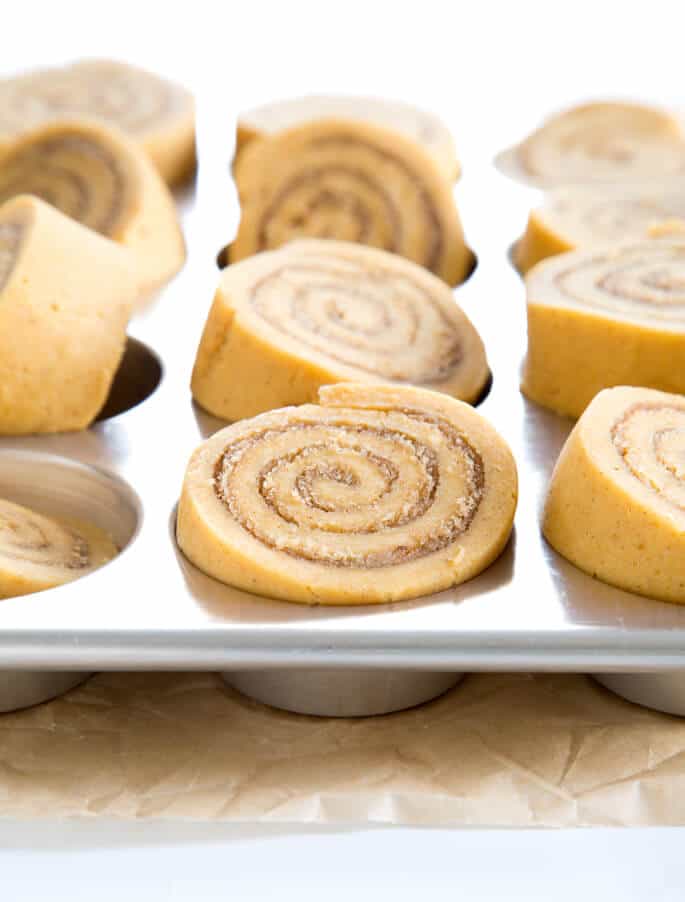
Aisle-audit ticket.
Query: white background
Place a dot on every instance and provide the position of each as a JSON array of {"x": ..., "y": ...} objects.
[
  {"x": 491, "y": 70},
  {"x": 110, "y": 862}
]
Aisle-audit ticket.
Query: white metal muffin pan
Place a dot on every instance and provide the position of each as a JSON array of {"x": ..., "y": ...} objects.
[{"x": 150, "y": 609}]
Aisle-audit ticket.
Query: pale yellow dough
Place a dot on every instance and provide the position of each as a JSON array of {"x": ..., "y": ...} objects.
[
  {"x": 613, "y": 315},
  {"x": 616, "y": 502},
  {"x": 423, "y": 127},
  {"x": 350, "y": 181},
  {"x": 66, "y": 296},
  {"x": 157, "y": 114},
  {"x": 39, "y": 552},
  {"x": 104, "y": 181},
  {"x": 583, "y": 216},
  {"x": 380, "y": 493},
  {"x": 286, "y": 322},
  {"x": 600, "y": 142}
]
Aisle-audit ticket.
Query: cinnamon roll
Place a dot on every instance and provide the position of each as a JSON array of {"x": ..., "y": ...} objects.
[
  {"x": 39, "y": 552},
  {"x": 355, "y": 182},
  {"x": 421, "y": 126},
  {"x": 286, "y": 322},
  {"x": 614, "y": 315},
  {"x": 155, "y": 113},
  {"x": 378, "y": 493},
  {"x": 102, "y": 180},
  {"x": 583, "y": 216},
  {"x": 600, "y": 142},
  {"x": 66, "y": 296},
  {"x": 616, "y": 502}
]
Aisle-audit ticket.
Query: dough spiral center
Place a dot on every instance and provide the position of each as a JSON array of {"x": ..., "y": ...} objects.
[
  {"x": 651, "y": 442},
  {"x": 74, "y": 173},
  {"x": 380, "y": 321},
  {"x": 29, "y": 537},
  {"x": 350, "y": 494},
  {"x": 135, "y": 101},
  {"x": 644, "y": 280},
  {"x": 327, "y": 197}
]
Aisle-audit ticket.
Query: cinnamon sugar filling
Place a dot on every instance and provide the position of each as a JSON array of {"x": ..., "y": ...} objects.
[
  {"x": 351, "y": 205},
  {"x": 136, "y": 102},
  {"x": 650, "y": 439},
  {"x": 79, "y": 176},
  {"x": 323, "y": 542},
  {"x": 654, "y": 282},
  {"x": 344, "y": 311},
  {"x": 41, "y": 542}
]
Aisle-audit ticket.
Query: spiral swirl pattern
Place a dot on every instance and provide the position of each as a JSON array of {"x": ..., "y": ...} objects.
[
  {"x": 352, "y": 182},
  {"x": 73, "y": 172},
  {"x": 329, "y": 203},
  {"x": 129, "y": 98},
  {"x": 103, "y": 181},
  {"x": 351, "y": 482},
  {"x": 646, "y": 280},
  {"x": 316, "y": 312},
  {"x": 378, "y": 493},
  {"x": 650, "y": 439},
  {"x": 616, "y": 501},
  {"x": 350, "y": 316},
  {"x": 605, "y": 317},
  {"x": 38, "y": 552},
  {"x": 419, "y": 125},
  {"x": 155, "y": 114},
  {"x": 29, "y": 537},
  {"x": 582, "y": 216},
  {"x": 362, "y": 313},
  {"x": 600, "y": 142},
  {"x": 621, "y": 218},
  {"x": 345, "y": 202}
]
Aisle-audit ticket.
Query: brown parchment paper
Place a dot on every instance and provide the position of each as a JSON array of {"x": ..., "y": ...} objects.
[{"x": 498, "y": 750}]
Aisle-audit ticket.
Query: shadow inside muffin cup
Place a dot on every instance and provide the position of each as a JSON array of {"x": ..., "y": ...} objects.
[
  {"x": 223, "y": 257},
  {"x": 485, "y": 391},
  {"x": 67, "y": 489},
  {"x": 58, "y": 487},
  {"x": 137, "y": 377},
  {"x": 473, "y": 266},
  {"x": 512, "y": 254}
]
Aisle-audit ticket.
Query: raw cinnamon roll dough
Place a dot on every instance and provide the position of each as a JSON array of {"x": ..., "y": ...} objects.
[
  {"x": 600, "y": 142},
  {"x": 65, "y": 299},
  {"x": 155, "y": 113},
  {"x": 286, "y": 322},
  {"x": 613, "y": 315},
  {"x": 582, "y": 216},
  {"x": 355, "y": 182},
  {"x": 421, "y": 126},
  {"x": 379, "y": 493},
  {"x": 616, "y": 502},
  {"x": 39, "y": 552},
  {"x": 102, "y": 180}
]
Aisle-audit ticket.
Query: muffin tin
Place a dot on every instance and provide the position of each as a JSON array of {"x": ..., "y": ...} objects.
[{"x": 150, "y": 609}]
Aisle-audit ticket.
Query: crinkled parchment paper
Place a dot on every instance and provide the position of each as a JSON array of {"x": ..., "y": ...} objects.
[{"x": 514, "y": 750}]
